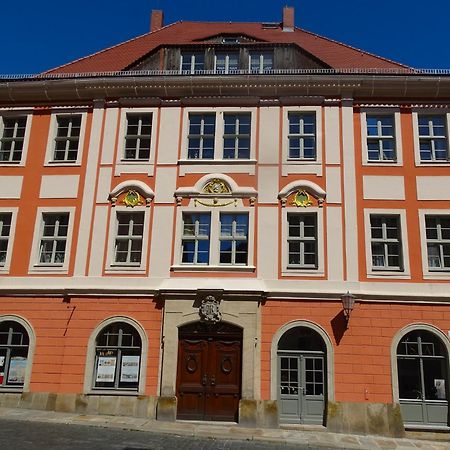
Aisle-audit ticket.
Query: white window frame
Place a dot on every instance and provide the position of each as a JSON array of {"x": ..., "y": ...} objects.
[
  {"x": 192, "y": 54},
  {"x": 300, "y": 166},
  {"x": 218, "y": 164},
  {"x": 290, "y": 270},
  {"x": 415, "y": 120},
  {"x": 112, "y": 265},
  {"x": 35, "y": 265},
  {"x": 227, "y": 61},
  {"x": 49, "y": 153},
  {"x": 11, "y": 114},
  {"x": 214, "y": 238},
  {"x": 12, "y": 233},
  {"x": 135, "y": 165},
  {"x": 393, "y": 112},
  {"x": 394, "y": 273},
  {"x": 261, "y": 55},
  {"x": 436, "y": 274}
]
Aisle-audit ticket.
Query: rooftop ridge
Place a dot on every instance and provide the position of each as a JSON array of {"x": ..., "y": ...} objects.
[
  {"x": 111, "y": 47},
  {"x": 352, "y": 47}
]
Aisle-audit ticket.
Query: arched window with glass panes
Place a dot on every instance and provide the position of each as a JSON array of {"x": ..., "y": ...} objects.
[
  {"x": 118, "y": 351},
  {"x": 14, "y": 346}
]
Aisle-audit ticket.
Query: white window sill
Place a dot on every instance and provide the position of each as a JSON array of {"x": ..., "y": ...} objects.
[
  {"x": 11, "y": 390},
  {"x": 389, "y": 274},
  {"x": 210, "y": 268},
  {"x": 12, "y": 164},
  {"x": 298, "y": 272},
  {"x": 46, "y": 268},
  {"x": 437, "y": 275},
  {"x": 63, "y": 163},
  {"x": 432, "y": 163},
  {"x": 120, "y": 392},
  {"x": 382, "y": 163},
  {"x": 115, "y": 268},
  {"x": 231, "y": 161}
]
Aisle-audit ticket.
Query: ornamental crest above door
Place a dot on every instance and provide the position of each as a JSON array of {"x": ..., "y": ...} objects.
[{"x": 209, "y": 310}]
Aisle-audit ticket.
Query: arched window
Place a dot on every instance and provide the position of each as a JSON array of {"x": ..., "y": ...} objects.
[
  {"x": 422, "y": 362},
  {"x": 14, "y": 345},
  {"x": 118, "y": 350}
]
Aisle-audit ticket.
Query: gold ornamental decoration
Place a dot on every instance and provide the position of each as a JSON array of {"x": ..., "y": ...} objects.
[
  {"x": 133, "y": 198},
  {"x": 302, "y": 199},
  {"x": 216, "y": 186}
]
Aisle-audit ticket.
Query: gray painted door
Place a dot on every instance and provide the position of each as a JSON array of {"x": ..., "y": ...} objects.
[{"x": 301, "y": 387}]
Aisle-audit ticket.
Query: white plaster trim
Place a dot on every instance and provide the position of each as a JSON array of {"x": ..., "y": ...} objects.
[
  {"x": 395, "y": 112},
  {"x": 274, "y": 353},
  {"x": 286, "y": 270},
  {"x": 197, "y": 189},
  {"x": 415, "y": 120},
  {"x": 12, "y": 233},
  {"x": 219, "y": 131},
  {"x": 132, "y": 184},
  {"x": 49, "y": 161},
  {"x": 398, "y": 274},
  {"x": 26, "y": 139},
  {"x": 214, "y": 253},
  {"x": 302, "y": 166},
  {"x": 430, "y": 274},
  {"x": 115, "y": 267},
  {"x": 396, "y": 340},
  {"x": 32, "y": 344},
  {"x": 37, "y": 267},
  {"x": 135, "y": 165},
  {"x": 90, "y": 357},
  {"x": 309, "y": 186}
]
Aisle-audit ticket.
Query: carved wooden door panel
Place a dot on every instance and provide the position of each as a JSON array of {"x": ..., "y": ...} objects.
[
  {"x": 224, "y": 380},
  {"x": 191, "y": 378},
  {"x": 209, "y": 378}
]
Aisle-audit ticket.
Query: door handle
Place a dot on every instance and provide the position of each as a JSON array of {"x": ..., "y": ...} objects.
[
  {"x": 213, "y": 381},
  {"x": 205, "y": 380}
]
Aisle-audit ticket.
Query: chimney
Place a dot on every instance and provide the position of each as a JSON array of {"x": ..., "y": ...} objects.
[
  {"x": 156, "y": 21},
  {"x": 288, "y": 18}
]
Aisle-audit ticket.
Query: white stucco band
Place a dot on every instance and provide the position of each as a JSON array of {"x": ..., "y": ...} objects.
[
  {"x": 10, "y": 186},
  {"x": 59, "y": 186},
  {"x": 383, "y": 187}
]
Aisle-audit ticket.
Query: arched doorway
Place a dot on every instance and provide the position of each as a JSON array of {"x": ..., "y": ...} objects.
[
  {"x": 209, "y": 371},
  {"x": 423, "y": 379},
  {"x": 302, "y": 381}
]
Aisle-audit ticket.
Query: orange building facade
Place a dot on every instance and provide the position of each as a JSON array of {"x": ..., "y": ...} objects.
[{"x": 183, "y": 216}]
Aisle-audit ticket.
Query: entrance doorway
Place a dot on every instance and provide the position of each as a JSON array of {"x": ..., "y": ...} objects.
[
  {"x": 423, "y": 379},
  {"x": 209, "y": 372},
  {"x": 302, "y": 385}
]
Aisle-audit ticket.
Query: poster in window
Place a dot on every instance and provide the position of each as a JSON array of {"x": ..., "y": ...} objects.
[
  {"x": 17, "y": 366},
  {"x": 439, "y": 384},
  {"x": 2, "y": 361},
  {"x": 130, "y": 369},
  {"x": 106, "y": 369}
]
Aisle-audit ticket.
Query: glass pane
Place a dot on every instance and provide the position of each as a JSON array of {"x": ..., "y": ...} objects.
[
  {"x": 409, "y": 382},
  {"x": 435, "y": 378}
]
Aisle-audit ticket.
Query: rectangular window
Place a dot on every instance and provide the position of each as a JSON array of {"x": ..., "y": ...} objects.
[
  {"x": 302, "y": 241},
  {"x": 302, "y": 136},
  {"x": 261, "y": 62},
  {"x": 196, "y": 237},
  {"x": 227, "y": 62},
  {"x": 53, "y": 239},
  {"x": 233, "y": 239},
  {"x": 138, "y": 136},
  {"x": 202, "y": 128},
  {"x": 380, "y": 138},
  {"x": 67, "y": 138},
  {"x": 438, "y": 242},
  {"x": 5, "y": 231},
  {"x": 433, "y": 143},
  {"x": 236, "y": 137},
  {"x": 192, "y": 62},
  {"x": 386, "y": 242},
  {"x": 12, "y": 139},
  {"x": 129, "y": 238}
]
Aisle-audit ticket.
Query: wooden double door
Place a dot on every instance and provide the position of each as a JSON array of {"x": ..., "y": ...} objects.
[{"x": 209, "y": 372}]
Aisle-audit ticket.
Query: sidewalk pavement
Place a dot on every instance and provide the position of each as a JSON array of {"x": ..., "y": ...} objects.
[{"x": 314, "y": 436}]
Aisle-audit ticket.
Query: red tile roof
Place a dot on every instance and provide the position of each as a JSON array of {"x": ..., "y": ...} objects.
[{"x": 334, "y": 54}]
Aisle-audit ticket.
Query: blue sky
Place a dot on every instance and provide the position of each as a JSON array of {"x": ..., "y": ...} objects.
[{"x": 39, "y": 35}]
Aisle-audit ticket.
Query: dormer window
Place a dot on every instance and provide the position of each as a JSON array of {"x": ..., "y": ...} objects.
[
  {"x": 227, "y": 62},
  {"x": 230, "y": 40},
  {"x": 192, "y": 62},
  {"x": 260, "y": 62}
]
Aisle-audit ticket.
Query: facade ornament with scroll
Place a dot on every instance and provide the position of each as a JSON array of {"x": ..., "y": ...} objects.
[{"x": 209, "y": 310}]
